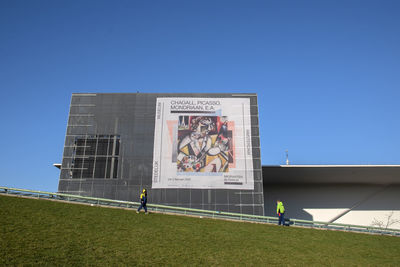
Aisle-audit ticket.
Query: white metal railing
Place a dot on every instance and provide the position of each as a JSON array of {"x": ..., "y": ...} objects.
[{"x": 198, "y": 212}]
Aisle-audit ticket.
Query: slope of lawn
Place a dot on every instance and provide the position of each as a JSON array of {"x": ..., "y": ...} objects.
[{"x": 42, "y": 232}]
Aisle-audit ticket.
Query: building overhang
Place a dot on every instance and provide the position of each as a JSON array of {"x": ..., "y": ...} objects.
[{"x": 331, "y": 174}]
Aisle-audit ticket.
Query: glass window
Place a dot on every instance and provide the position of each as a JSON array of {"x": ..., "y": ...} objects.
[{"x": 95, "y": 157}]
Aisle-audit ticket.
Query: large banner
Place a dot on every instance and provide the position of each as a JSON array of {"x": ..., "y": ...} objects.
[{"x": 203, "y": 143}]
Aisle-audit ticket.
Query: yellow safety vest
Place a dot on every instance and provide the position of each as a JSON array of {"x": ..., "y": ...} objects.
[{"x": 280, "y": 208}]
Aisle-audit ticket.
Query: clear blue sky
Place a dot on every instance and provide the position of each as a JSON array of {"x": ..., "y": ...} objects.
[{"x": 327, "y": 73}]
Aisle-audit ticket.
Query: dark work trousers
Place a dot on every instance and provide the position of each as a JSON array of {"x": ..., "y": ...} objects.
[
  {"x": 143, "y": 205},
  {"x": 281, "y": 219}
]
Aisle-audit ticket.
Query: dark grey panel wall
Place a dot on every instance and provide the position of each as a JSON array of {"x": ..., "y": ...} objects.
[{"x": 131, "y": 117}]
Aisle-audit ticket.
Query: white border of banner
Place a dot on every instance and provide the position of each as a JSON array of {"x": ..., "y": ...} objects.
[{"x": 168, "y": 110}]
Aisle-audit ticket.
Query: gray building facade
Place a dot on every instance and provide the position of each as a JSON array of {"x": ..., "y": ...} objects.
[{"x": 110, "y": 144}]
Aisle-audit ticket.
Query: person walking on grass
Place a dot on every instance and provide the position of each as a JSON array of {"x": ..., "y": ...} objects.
[
  {"x": 143, "y": 201},
  {"x": 280, "y": 210}
]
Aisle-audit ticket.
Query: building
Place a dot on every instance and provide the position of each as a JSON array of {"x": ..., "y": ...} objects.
[
  {"x": 203, "y": 151},
  {"x": 349, "y": 194},
  {"x": 190, "y": 150}
]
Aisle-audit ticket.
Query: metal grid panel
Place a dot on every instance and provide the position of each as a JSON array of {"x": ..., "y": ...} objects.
[{"x": 132, "y": 117}]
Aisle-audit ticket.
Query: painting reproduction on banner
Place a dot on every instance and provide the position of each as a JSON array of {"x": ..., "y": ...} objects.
[{"x": 203, "y": 143}]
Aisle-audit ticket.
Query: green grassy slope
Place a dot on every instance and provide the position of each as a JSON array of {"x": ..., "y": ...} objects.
[{"x": 44, "y": 232}]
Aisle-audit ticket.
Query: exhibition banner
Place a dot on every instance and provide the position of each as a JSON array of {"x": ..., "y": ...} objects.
[{"x": 203, "y": 143}]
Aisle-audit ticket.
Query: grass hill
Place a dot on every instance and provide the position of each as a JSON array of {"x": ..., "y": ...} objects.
[{"x": 42, "y": 232}]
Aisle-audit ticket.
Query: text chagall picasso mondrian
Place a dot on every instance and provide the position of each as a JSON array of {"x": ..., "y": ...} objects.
[{"x": 195, "y": 105}]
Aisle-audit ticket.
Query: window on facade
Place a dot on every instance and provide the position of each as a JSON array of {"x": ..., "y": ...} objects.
[{"x": 95, "y": 157}]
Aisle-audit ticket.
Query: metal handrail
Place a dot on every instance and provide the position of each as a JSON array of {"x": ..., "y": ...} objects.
[{"x": 209, "y": 213}]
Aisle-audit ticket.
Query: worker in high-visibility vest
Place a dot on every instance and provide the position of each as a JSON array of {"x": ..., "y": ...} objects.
[
  {"x": 280, "y": 210},
  {"x": 143, "y": 201}
]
